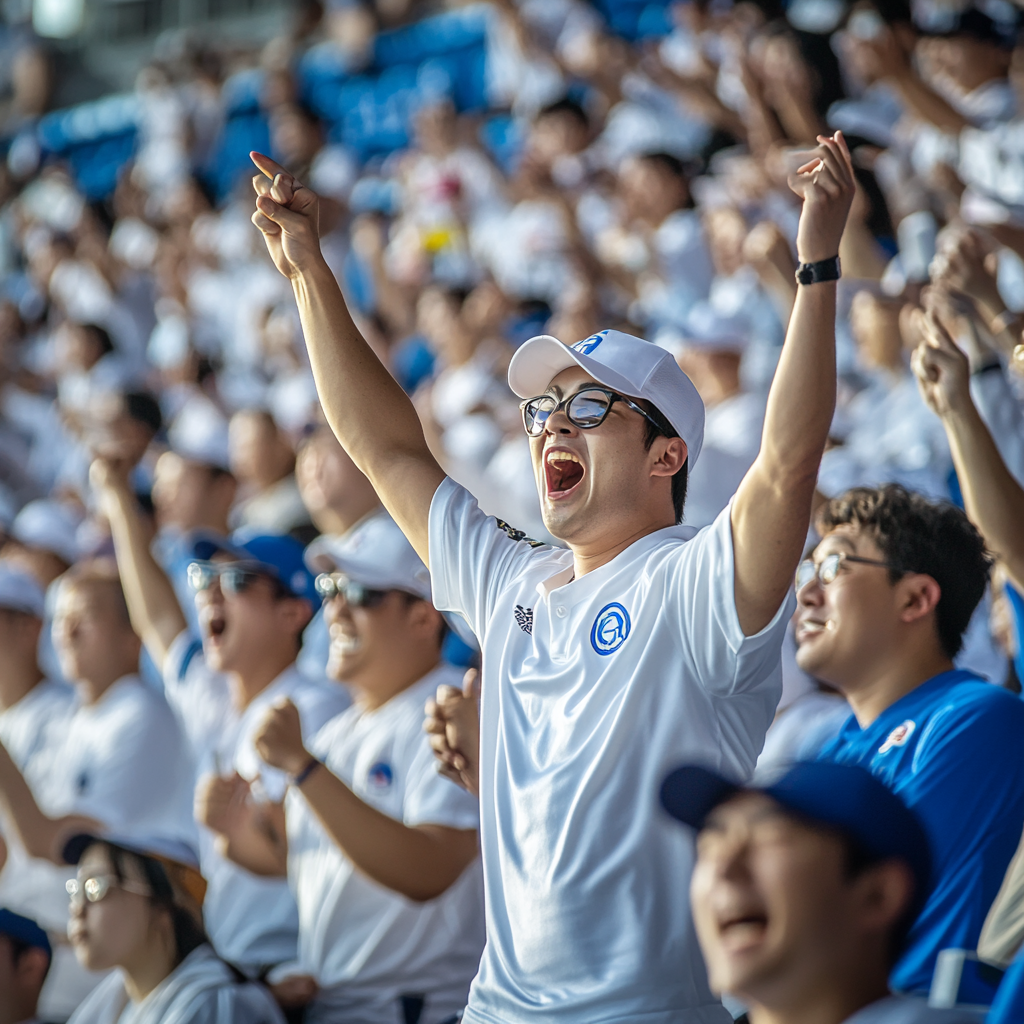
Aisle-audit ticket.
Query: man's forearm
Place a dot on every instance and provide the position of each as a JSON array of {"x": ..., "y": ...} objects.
[
  {"x": 993, "y": 500},
  {"x": 927, "y": 104},
  {"x": 802, "y": 398},
  {"x": 40, "y": 835},
  {"x": 367, "y": 409},
  {"x": 152, "y": 604},
  {"x": 420, "y": 863}
]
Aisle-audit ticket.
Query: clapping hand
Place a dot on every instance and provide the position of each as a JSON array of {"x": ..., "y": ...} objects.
[
  {"x": 222, "y": 803},
  {"x": 825, "y": 182},
  {"x": 453, "y": 724},
  {"x": 278, "y": 740}
]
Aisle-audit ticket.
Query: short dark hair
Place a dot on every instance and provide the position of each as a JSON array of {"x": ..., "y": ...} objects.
[
  {"x": 142, "y": 407},
  {"x": 568, "y": 106},
  {"x": 918, "y": 535},
  {"x": 857, "y": 860},
  {"x": 679, "y": 479}
]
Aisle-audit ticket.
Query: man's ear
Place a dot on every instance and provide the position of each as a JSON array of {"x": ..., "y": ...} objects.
[
  {"x": 919, "y": 595},
  {"x": 884, "y": 893},
  {"x": 298, "y": 613},
  {"x": 670, "y": 454},
  {"x": 424, "y": 620}
]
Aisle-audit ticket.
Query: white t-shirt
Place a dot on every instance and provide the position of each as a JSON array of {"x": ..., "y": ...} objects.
[
  {"x": 124, "y": 762},
  {"x": 592, "y": 691},
  {"x": 252, "y": 921},
  {"x": 366, "y": 944}
]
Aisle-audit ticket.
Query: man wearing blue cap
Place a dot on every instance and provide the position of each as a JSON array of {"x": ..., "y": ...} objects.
[
  {"x": 804, "y": 890},
  {"x": 602, "y": 664},
  {"x": 254, "y": 597},
  {"x": 25, "y": 956}
]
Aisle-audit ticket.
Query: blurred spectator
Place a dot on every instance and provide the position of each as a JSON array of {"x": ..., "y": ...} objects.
[{"x": 25, "y": 954}]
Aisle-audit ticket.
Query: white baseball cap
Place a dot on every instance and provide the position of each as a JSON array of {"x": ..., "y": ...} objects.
[
  {"x": 375, "y": 554},
  {"x": 49, "y": 525},
  {"x": 20, "y": 592},
  {"x": 623, "y": 363}
]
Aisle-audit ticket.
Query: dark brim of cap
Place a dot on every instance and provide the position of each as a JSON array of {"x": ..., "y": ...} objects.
[
  {"x": 75, "y": 847},
  {"x": 691, "y": 793}
]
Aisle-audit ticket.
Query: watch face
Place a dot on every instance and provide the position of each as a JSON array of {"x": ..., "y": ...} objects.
[{"x": 805, "y": 275}]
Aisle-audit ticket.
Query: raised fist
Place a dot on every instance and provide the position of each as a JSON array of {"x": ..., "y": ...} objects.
[
  {"x": 279, "y": 739},
  {"x": 288, "y": 214},
  {"x": 825, "y": 182},
  {"x": 453, "y": 724}
]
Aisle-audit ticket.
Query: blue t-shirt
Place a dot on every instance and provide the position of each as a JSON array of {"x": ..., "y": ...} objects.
[{"x": 953, "y": 750}]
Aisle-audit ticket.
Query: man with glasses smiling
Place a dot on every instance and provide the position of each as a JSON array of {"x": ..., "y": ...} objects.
[
  {"x": 883, "y": 603},
  {"x": 640, "y": 646},
  {"x": 253, "y": 601}
]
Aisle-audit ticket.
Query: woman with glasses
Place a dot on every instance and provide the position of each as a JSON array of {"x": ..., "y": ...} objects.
[{"x": 137, "y": 907}]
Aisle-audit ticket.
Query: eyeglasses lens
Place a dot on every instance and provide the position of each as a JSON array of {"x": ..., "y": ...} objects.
[
  {"x": 588, "y": 408},
  {"x": 536, "y": 413},
  {"x": 236, "y": 581},
  {"x": 829, "y": 568}
]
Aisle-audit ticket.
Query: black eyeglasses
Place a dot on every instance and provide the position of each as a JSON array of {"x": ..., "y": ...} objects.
[
  {"x": 235, "y": 577},
  {"x": 586, "y": 409},
  {"x": 330, "y": 585},
  {"x": 830, "y": 566}
]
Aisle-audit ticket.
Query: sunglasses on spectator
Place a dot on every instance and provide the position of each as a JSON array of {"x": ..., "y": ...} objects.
[
  {"x": 96, "y": 887},
  {"x": 586, "y": 409},
  {"x": 235, "y": 577},
  {"x": 830, "y": 566},
  {"x": 330, "y": 585}
]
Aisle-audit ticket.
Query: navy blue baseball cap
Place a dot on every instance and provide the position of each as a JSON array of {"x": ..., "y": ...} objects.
[
  {"x": 838, "y": 796},
  {"x": 24, "y": 930},
  {"x": 277, "y": 554}
]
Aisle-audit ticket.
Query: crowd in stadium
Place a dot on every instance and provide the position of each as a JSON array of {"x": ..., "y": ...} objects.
[{"x": 709, "y": 702}]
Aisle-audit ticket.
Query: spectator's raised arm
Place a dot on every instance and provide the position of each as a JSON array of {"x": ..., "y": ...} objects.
[
  {"x": 992, "y": 498},
  {"x": 152, "y": 604},
  {"x": 371, "y": 415},
  {"x": 772, "y": 508}
]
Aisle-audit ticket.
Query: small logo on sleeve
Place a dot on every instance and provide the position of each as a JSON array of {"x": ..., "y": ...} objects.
[
  {"x": 524, "y": 617},
  {"x": 588, "y": 345},
  {"x": 898, "y": 737},
  {"x": 518, "y": 534},
  {"x": 380, "y": 775},
  {"x": 611, "y": 627}
]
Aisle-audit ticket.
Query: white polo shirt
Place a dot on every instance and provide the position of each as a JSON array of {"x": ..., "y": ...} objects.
[
  {"x": 252, "y": 921},
  {"x": 592, "y": 691},
  {"x": 365, "y": 944}
]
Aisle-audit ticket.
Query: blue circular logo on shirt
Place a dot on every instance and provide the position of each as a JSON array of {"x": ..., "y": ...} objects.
[
  {"x": 381, "y": 775},
  {"x": 611, "y": 627}
]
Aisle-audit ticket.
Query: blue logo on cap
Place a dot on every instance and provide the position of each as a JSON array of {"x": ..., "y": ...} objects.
[
  {"x": 611, "y": 627},
  {"x": 588, "y": 345}
]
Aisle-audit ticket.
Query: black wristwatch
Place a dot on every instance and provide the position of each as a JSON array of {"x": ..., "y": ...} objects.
[{"x": 815, "y": 273}]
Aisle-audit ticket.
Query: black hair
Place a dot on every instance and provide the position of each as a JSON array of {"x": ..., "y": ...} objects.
[
  {"x": 568, "y": 106},
  {"x": 142, "y": 407},
  {"x": 918, "y": 535},
  {"x": 19, "y": 948},
  {"x": 101, "y": 336},
  {"x": 856, "y": 861},
  {"x": 672, "y": 166},
  {"x": 189, "y": 933},
  {"x": 679, "y": 478}
]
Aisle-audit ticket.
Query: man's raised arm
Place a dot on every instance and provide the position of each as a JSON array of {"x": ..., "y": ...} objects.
[
  {"x": 367, "y": 410},
  {"x": 772, "y": 508}
]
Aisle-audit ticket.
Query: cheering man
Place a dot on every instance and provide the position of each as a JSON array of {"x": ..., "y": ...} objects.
[{"x": 640, "y": 646}]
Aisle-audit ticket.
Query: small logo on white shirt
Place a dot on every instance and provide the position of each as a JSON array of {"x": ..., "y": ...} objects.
[
  {"x": 611, "y": 627},
  {"x": 588, "y": 345},
  {"x": 898, "y": 737},
  {"x": 518, "y": 534},
  {"x": 524, "y": 616},
  {"x": 381, "y": 775}
]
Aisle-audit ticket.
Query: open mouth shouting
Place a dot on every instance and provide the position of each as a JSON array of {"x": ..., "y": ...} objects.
[{"x": 563, "y": 473}]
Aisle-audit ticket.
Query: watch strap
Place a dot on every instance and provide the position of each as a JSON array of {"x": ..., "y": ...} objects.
[{"x": 815, "y": 273}]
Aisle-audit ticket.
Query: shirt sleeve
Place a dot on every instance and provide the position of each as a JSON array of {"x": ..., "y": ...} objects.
[
  {"x": 472, "y": 555},
  {"x": 184, "y": 650},
  {"x": 724, "y": 659}
]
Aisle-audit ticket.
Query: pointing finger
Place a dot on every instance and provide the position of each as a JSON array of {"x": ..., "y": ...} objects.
[{"x": 271, "y": 168}]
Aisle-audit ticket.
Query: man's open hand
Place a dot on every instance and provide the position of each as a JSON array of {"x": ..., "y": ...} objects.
[
  {"x": 288, "y": 215},
  {"x": 826, "y": 184},
  {"x": 453, "y": 724}
]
